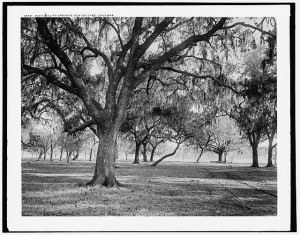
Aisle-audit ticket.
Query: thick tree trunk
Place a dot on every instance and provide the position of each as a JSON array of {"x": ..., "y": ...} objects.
[
  {"x": 198, "y": 159},
  {"x": 106, "y": 159},
  {"x": 145, "y": 152},
  {"x": 166, "y": 156},
  {"x": 152, "y": 153},
  {"x": 220, "y": 156},
  {"x": 136, "y": 156},
  {"x": 255, "y": 155}
]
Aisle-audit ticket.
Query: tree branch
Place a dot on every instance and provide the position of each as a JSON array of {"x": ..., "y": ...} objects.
[
  {"x": 51, "y": 78},
  {"x": 250, "y": 26},
  {"x": 200, "y": 77},
  {"x": 158, "y": 30},
  {"x": 116, "y": 30},
  {"x": 82, "y": 126}
]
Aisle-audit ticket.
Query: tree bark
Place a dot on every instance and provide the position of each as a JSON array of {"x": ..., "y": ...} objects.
[
  {"x": 166, "y": 156},
  {"x": 152, "y": 153},
  {"x": 145, "y": 152},
  {"x": 198, "y": 159},
  {"x": 254, "y": 155},
  {"x": 137, "y": 150},
  {"x": 105, "y": 162}
]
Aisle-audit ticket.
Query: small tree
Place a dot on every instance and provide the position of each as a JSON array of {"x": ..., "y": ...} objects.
[{"x": 224, "y": 137}]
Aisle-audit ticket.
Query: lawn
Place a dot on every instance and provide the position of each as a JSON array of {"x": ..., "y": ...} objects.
[{"x": 170, "y": 189}]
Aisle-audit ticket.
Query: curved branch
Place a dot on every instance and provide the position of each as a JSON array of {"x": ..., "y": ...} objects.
[
  {"x": 200, "y": 77},
  {"x": 117, "y": 30},
  {"x": 82, "y": 126},
  {"x": 99, "y": 53}
]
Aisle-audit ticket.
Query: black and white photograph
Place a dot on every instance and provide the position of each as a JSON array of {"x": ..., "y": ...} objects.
[{"x": 149, "y": 112}]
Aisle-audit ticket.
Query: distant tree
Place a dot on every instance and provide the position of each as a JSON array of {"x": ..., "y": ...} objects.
[
  {"x": 177, "y": 125},
  {"x": 224, "y": 137},
  {"x": 256, "y": 113}
]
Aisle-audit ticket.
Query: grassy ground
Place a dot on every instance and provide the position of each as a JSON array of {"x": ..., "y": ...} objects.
[{"x": 170, "y": 189}]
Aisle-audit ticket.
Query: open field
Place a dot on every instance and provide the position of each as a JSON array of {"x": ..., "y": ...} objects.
[{"x": 170, "y": 189}]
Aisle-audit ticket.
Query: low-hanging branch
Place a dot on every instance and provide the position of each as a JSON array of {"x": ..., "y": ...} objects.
[
  {"x": 168, "y": 155},
  {"x": 82, "y": 126}
]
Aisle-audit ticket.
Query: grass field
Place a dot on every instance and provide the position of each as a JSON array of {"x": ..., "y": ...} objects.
[{"x": 170, "y": 189}]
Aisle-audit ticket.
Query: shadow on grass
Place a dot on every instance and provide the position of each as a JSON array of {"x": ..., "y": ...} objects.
[{"x": 167, "y": 190}]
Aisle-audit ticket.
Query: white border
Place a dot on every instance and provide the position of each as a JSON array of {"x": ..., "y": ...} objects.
[{"x": 18, "y": 223}]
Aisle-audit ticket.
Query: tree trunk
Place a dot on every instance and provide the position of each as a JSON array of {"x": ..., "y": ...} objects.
[
  {"x": 145, "y": 152},
  {"x": 91, "y": 154},
  {"x": 220, "y": 157},
  {"x": 270, "y": 151},
  {"x": 68, "y": 156},
  {"x": 166, "y": 156},
  {"x": 106, "y": 159},
  {"x": 255, "y": 155},
  {"x": 76, "y": 156},
  {"x": 152, "y": 153},
  {"x": 198, "y": 159},
  {"x": 117, "y": 152},
  {"x": 61, "y": 153},
  {"x": 51, "y": 151},
  {"x": 225, "y": 157},
  {"x": 137, "y": 150},
  {"x": 40, "y": 155},
  {"x": 45, "y": 153}
]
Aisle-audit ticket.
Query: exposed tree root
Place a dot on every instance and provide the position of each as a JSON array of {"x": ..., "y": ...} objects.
[{"x": 105, "y": 182}]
